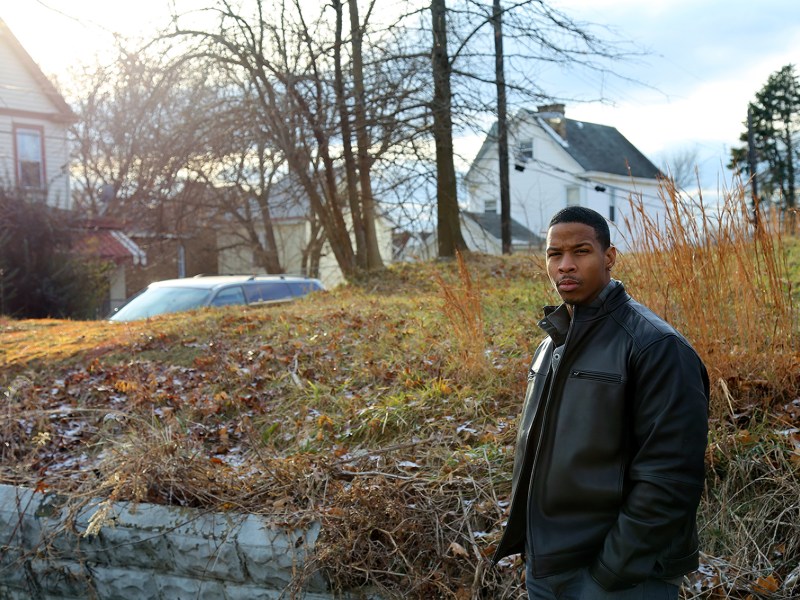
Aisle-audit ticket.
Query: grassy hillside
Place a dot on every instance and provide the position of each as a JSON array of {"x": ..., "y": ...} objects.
[{"x": 388, "y": 410}]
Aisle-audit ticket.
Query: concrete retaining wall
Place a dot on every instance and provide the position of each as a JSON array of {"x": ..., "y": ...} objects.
[{"x": 150, "y": 552}]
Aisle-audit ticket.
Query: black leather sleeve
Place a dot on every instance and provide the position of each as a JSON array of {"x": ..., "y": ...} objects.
[{"x": 655, "y": 531}]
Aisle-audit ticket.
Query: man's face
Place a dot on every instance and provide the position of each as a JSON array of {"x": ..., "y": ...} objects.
[{"x": 578, "y": 267}]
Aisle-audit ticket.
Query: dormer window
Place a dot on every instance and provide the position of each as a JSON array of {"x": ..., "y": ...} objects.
[{"x": 29, "y": 156}]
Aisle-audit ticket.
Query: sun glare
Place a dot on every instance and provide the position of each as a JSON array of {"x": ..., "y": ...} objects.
[{"x": 60, "y": 34}]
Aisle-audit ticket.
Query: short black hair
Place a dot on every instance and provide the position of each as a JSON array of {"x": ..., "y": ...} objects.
[{"x": 587, "y": 216}]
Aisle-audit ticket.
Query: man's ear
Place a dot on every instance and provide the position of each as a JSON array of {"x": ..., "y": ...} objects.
[{"x": 611, "y": 257}]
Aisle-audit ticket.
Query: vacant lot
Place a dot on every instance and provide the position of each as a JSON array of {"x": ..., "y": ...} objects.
[{"x": 388, "y": 410}]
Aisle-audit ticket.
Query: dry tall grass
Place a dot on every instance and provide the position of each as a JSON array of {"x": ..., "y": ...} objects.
[
  {"x": 462, "y": 307},
  {"x": 370, "y": 411},
  {"x": 723, "y": 283}
]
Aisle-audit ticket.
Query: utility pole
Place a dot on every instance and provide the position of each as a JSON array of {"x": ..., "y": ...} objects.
[
  {"x": 751, "y": 162},
  {"x": 502, "y": 128}
]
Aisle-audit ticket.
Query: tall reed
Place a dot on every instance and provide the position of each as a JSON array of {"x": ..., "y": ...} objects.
[
  {"x": 463, "y": 309},
  {"x": 720, "y": 277}
]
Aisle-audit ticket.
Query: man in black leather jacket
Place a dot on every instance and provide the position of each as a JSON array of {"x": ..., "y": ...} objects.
[{"x": 609, "y": 464}]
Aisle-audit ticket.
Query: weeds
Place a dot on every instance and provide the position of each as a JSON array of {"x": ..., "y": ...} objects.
[
  {"x": 463, "y": 310},
  {"x": 388, "y": 411},
  {"x": 724, "y": 284}
]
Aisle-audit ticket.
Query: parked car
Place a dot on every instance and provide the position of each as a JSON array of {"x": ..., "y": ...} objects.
[{"x": 174, "y": 295}]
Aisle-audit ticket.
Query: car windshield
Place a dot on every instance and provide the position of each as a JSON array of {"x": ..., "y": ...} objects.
[{"x": 161, "y": 300}]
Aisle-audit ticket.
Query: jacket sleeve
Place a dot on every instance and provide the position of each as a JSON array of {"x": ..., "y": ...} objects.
[{"x": 668, "y": 423}]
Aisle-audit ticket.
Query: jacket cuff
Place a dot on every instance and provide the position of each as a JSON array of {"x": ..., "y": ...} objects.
[{"x": 607, "y": 579}]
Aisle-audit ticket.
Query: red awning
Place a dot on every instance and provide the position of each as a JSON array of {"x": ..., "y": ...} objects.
[{"x": 110, "y": 244}]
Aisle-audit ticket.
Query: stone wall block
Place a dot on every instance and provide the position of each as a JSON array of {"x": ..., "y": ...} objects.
[
  {"x": 253, "y": 592},
  {"x": 135, "y": 548},
  {"x": 11, "y": 593},
  {"x": 18, "y": 525},
  {"x": 14, "y": 571},
  {"x": 180, "y": 588},
  {"x": 118, "y": 583},
  {"x": 273, "y": 555},
  {"x": 57, "y": 576},
  {"x": 154, "y": 553},
  {"x": 62, "y": 541},
  {"x": 256, "y": 592},
  {"x": 207, "y": 557}
]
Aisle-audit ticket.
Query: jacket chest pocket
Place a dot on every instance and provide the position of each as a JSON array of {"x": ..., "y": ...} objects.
[{"x": 598, "y": 376}]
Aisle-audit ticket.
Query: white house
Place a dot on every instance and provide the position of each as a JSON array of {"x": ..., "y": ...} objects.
[
  {"x": 34, "y": 155},
  {"x": 557, "y": 162}
]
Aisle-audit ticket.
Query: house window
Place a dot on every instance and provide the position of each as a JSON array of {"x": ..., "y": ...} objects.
[
  {"x": 573, "y": 195},
  {"x": 29, "y": 154},
  {"x": 525, "y": 150},
  {"x": 490, "y": 205}
]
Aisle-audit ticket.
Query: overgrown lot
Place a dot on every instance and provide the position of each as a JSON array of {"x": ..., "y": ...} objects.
[{"x": 388, "y": 411}]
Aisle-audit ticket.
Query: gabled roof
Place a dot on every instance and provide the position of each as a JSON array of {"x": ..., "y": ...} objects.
[
  {"x": 64, "y": 112},
  {"x": 597, "y": 148},
  {"x": 490, "y": 222},
  {"x": 604, "y": 149}
]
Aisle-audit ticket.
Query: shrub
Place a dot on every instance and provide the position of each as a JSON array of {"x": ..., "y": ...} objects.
[{"x": 39, "y": 276}]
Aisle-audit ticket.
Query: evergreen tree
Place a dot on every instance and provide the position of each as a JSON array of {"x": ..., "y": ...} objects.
[{"x": 775, "y": 121}]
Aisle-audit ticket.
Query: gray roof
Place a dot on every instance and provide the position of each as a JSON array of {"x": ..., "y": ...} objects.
[
  {"x": 604, "y": 149},
  {"x": 598, "y": 148},
  {"x": 490, "y": 222}
]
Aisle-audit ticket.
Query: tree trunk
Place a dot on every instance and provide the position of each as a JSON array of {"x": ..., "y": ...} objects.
[
  {"x": 327, "y": 209},
  {"x": 448, "y": 226},
  {"x": 347, "y": 146},
  {"x": 790, "y": 201},
  {"x": 374, "y": 260},
  {"x": 269, "y": 248},
  {"x": 313, "y": 250},
  {"x": 502, "y": 129}
]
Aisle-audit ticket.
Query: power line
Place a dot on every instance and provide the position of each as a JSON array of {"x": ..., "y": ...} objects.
[{"x": 586, "y": 183}]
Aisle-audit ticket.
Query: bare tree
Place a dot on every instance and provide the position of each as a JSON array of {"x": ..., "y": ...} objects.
[
  {"x": 351, "y": 174},
  {"x": 681, "y": 166},
  {"x": 449, "y": 236},
  {"x": 538, "y": 34},
  {"x": 363, "y": 140},
  {"x": 342, "y": 107},
  {"x": 502, "y": 128},
  {"x": 141, "y": 122},
  {"x": 169, "y": 151},
  {"x": 294, "y": 66}
]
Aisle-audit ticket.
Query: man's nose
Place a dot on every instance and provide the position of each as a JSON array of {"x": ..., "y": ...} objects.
[{"x": 566, "y": 264}]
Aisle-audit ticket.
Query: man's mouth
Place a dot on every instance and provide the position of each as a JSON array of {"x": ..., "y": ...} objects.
[{"x": 567, "y": 285}]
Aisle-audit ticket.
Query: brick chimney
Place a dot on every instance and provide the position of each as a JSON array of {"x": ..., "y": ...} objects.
[{"x": 554, "y": 115}]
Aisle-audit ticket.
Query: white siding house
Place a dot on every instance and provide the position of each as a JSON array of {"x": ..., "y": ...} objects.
[
  {"x": 556, "y": 162},
  {"x": 34, "y": 155}
]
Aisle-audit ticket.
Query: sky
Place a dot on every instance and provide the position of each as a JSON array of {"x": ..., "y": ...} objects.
[
  {"x": 703, "y": 61},
  {"x": 707, "y": 59}
]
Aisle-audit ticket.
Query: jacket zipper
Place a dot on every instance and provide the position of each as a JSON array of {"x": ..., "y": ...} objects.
[
  {"x": 597, "y": 376},
  {"x": 528, "y": 528}
]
